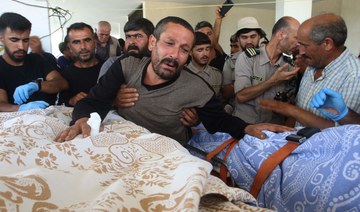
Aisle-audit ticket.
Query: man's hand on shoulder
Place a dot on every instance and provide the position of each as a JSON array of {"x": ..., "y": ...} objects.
[
  {"x": 256, "y": 129},
  {"x": 80, "y": 127}
]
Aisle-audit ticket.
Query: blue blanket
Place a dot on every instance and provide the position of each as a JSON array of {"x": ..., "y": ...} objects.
[{"x": 322, "y": 174}]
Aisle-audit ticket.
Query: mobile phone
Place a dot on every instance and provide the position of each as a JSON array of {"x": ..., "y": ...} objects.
[
  {"x": 227, "y": 5},
  {"x": 295, "y": 138},
  {"x": 307, "y": 132},
  {"x": 289, "y": 60}
]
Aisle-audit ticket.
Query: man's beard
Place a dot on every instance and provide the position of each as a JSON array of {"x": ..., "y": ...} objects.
[
  {"x": 138, "y": 52},
  {"x": 166, "y": 75},
  {"x": 13, "y": 57},
  {"x": 249, "y": 46},
  {"x": 87, "y": 59}
]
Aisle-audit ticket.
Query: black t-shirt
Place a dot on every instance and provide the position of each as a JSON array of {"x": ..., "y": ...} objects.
[
  {"x": 219, "y": 60},
  {"x": 34, "y": 67},
  {"x": 80, "y": 80}
]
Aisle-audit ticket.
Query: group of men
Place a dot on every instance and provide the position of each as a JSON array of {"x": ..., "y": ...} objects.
[{"x": 154, "y": 85}]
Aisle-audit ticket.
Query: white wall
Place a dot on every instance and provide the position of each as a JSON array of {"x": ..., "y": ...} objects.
[
  {"x": 90, "y": 16},
  {"x": 37, "y": 16},
  {"x": 265, "y": 14},
  {"x": 350, "y": 10},
  {"x": 194, "y": 13}
]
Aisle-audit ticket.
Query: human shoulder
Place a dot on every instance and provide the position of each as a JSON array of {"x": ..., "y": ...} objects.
[
  {"x": 214, "y": 70},
  {"x": 251, "y": 52},
  {"x": 125, "y": 58},
  {"x": 192, "y": 79}
]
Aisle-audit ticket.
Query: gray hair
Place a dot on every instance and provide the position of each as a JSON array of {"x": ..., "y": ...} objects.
[{"x": 336, "y": 30}]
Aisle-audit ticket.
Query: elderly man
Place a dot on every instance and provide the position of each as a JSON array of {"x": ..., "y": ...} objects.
[
  {"x": 27, "y": 81},
  {"x": 107, "y": 46},
  {"x": 330, "y": 64},
  {"x": 264, "y": 74},
  {"x": 165, "y": 89}
]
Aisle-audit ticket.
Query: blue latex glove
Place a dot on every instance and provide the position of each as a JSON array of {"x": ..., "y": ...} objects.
[
  {"x": 327, "y": 98},
  {"x": 23, "y": 92},
  {"x": 33, "y": 105}
]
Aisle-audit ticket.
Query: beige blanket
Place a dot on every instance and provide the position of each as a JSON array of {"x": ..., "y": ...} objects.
[{"x": 124, "y": 168}]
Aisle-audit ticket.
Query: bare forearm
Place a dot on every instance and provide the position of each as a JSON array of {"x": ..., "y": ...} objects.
[
  {"x": 6, "y": 107},
  {"x": 350, "y": 118},
  {"x": 252, "y": 92},
  {"x": 54, "y": 85},
  {"x": 217, "y": 28},
  {"x": 228, "y": 91},
  {"x": 302, "y": 116},
  {"x": 309, "y": 119}
]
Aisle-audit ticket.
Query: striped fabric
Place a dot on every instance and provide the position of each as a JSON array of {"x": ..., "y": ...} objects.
[{"x": 342, "y": 75}]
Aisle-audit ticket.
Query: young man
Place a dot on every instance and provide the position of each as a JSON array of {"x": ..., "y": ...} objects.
[
  {"x": 165, "y": 89},
  {"x": 266, "y": 73},
  {"x": 248, "y": 35},
  {"x": 217, "y": 55},
  {"x": 27, "y": 81},
  {"x": 199, "y": 62},
  {"x": 83, "y": 73}
]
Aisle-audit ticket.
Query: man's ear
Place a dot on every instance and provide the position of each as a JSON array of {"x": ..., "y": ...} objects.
[
  {"x": 328, "y": 44},
  {"x": 152, "y": 42},
  {"x": 280, "y": 35}
]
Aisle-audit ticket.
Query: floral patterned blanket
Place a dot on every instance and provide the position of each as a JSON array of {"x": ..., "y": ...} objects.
[{"x": 124, "y": 168}]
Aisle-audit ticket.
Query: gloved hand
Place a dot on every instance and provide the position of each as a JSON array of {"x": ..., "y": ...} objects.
[
  {"x": 23, "y": 92},
  {"x": 328, "y": 99},
  {"x": 33, "y": 105}
]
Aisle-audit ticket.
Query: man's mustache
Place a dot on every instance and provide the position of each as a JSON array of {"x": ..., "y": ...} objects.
[
  {"x": 205, "y": 58},
  {"x": 20, "y": 51},
  {"x": 133, "y": 47},
  {"x": 170, "y": 61}
]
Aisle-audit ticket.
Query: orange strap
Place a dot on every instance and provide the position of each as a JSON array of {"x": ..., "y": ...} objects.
[
  {"x": 223, "y": 169},
  {"x": 269, "y": 165}
]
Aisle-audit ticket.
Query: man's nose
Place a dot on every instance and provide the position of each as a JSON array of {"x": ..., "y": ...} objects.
[
  {"x": 20, "y": 45},
  {"x": 174, "y": 53}
]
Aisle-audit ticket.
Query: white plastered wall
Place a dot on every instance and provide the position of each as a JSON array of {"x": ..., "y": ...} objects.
[{"x": 348, "y": 9}]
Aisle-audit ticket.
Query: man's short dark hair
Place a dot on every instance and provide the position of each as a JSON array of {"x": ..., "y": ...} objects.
[
  {"x": 160, "y": 26},
  {"x": 202, "y": 24},
  {"x": 62, "y": 47},
  {"x": 201, "y": 38},
  {"x": 78, "y": 26},
  {"x": 14, "y": 21},
  {"x": 336, "y": 30},
  {"x": 140, "y": 24},
  {"x": 234, "y": 38}
]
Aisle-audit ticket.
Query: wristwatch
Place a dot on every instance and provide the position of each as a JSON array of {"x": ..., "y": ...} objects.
[{"x": 38, "y": 82}]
